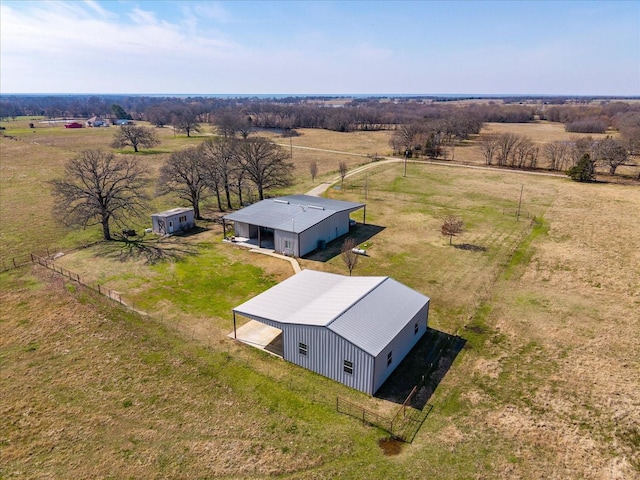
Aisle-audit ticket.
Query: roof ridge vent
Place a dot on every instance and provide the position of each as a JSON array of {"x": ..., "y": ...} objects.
[
  {"x": 277, "y": 200},
  {"x": 317, "y": 207}
]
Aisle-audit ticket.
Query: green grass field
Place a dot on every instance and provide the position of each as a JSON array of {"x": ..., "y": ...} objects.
[{"x": 545, "y": 387}]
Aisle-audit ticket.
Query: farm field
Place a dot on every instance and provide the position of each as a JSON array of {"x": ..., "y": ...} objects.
[{"x": 546, "y": 385}]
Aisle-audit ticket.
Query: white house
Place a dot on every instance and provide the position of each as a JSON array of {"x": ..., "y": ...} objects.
[
  {"x": 293, "y": 225},
  {"x": 176, "y": 220},
  {"x": 355, "y": 330}
]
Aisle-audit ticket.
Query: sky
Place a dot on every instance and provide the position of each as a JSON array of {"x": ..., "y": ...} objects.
[{"x": 310, "y": 47}]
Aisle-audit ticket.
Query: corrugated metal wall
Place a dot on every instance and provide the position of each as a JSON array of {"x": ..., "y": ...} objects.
[
  {"x": 241, "y": 229},
  {"x": 327, "y": 230},
  {"x": 326, "y": 353},
  {"x": 401, "y": 345},
  {"x": 280, "y": 237}
]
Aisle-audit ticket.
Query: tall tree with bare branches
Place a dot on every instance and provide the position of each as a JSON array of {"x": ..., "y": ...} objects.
[
  {"x": 134, "y": 136},
  {"x": 342, "y": 167},
  {"x": 183, "y": 174},
  {"x": 98, "y": 188},
  {"x": 221, "y": 161},
  {"x": 488, "y": 147},
  {"x": 313, "y": 170},
  {"x": 265, "y": 164}
]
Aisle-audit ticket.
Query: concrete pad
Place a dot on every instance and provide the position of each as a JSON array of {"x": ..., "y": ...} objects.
[{"x": 257, "y": 335}]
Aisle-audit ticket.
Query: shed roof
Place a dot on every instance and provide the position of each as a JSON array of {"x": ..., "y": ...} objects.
[
  {"x": 293, "y": 213},
  {"x": 173, "y": 211},
  {"x": 366, "y": 311}
]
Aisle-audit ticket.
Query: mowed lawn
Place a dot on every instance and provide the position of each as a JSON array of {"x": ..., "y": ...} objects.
[{"x": 546, "y": 385}]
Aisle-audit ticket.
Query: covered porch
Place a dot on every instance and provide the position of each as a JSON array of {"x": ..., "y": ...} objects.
[{"x": 259, "y": 335}]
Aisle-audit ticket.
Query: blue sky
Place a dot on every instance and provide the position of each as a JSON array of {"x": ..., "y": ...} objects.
[{"x": 320, "y": 47}]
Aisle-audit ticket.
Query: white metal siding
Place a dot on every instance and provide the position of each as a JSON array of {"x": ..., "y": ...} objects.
[
  {"x": 326, "y": 353},
  {"x": 280, "y": 237},
  {"x": 327, "y": 230},
  {"x": 401, "y": 345},
  {"x": 241, "y": 229}
]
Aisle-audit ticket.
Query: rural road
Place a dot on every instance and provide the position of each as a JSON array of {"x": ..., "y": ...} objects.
[{"x": 324, "y": 186}]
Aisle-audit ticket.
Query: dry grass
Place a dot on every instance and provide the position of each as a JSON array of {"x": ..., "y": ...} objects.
[{"x": 547, "y": 385}]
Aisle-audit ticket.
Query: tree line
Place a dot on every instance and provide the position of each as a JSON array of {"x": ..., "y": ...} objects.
[
  {"x": 372, "y": 113},
  {"x": 99, "y": 188},
  {"x": 519, "y": 151}
]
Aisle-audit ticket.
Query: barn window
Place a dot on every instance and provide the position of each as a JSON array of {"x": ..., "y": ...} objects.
[
  {"x": 348, "y": 367},
  {"x": 302, "y": 349},
  {"x": 416, "y": 327},
  {"x": 287, "y": 244},
  {"x": 390, "y": 358}
]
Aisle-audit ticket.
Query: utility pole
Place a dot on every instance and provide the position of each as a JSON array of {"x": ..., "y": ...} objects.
[{"x": 519, "y": 203}]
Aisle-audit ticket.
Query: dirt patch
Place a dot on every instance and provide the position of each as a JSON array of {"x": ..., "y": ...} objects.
[{"x": 390, "y": 446}]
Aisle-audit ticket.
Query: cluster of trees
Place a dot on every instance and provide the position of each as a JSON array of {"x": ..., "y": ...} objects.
[
  {"x": 430, "y": 135},
  {"x": 509, "y": 150},
  {"x": 100, "y": 189},
  {"x": 519, "y": 151}
]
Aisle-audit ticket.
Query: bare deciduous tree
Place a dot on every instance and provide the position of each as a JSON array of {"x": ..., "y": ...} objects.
[
  {"x": 222, "y": 164},
  {"x": 557, "y": 153},
  {"x": 349, "y": 257},
  {"x": 452, "y": 227},
  {"x": 525, "y": 153},
  {"x": 506, "y": 144},
  {"x": 185, "y": 120},
  {"x": 342, "y": 167},
  {"x": 134, "y": 136},
  {"x": 183, "y": 175},
  {"x": 313, "y": 170},
  {"x": 488, "y": 147},
  {"x": 610, "y": 153},
  {"x": 97, "y": 189},
  {"x": 265, "y": 164}
]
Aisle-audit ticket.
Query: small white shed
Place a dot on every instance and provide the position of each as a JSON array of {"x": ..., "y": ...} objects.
[{"x": 170, "y": 222}]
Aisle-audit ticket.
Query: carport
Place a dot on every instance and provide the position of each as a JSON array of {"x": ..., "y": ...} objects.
[{"x": 260, "y": 335}]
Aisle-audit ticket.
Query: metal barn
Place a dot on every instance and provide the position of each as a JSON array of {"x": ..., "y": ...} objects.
[
  {"x": 176, "y": 220},
  {"x": 293, "y": 225},
  {"x": 355, "y": 330}
]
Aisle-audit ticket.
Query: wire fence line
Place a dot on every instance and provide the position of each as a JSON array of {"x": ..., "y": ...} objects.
[
  {"x": 25, "y": 259},
  {"x": 101, "y": 289},
  {"x": 404, "y": 425}
]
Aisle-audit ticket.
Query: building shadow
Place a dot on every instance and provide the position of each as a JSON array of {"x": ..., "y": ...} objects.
[
  {"x": 360, "y": 232},
  {"x": 424, "y": 368}
]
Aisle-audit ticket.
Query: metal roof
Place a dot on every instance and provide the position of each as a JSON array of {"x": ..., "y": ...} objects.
[
  {"x": 173, "y": 211},
  {"x": 293, "y": 213},
  {"x": 366, "y": 311}
]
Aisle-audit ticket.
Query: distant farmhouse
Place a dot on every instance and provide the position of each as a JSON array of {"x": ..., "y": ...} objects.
[
  {"x": 293, "y": 225},
  {"x": 123, "y": 121},
  {"x": 97, "y": 122},
  {"x": 176, "y": 220},
  {"x": 355, "y": 330}
]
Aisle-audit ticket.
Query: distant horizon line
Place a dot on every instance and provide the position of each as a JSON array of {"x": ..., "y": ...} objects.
[{"x": 331, "y": 95}]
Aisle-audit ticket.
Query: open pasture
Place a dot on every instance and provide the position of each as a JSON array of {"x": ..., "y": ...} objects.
[{"x": 546, "y": 385}]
